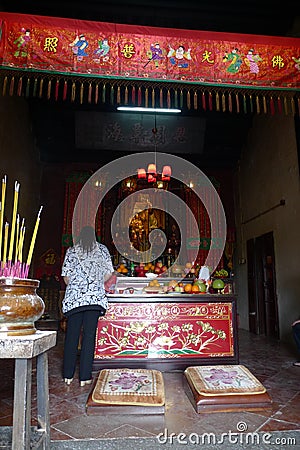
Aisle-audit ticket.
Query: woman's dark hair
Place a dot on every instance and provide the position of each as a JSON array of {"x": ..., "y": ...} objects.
[{"x": 86, "y": 238}]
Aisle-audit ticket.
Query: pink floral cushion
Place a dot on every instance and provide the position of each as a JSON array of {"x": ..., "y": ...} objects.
[
  {"x": 223, "y": 380},
  {"x": 129, "y": 387}
]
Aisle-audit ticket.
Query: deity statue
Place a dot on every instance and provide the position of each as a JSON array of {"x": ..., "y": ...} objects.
[{"x": 153, "y": 222}]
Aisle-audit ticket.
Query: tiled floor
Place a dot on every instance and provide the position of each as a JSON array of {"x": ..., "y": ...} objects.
[{"x": 71, "y": 428}]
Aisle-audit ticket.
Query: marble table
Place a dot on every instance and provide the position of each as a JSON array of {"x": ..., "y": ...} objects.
[{"x": 23, "y": 349}]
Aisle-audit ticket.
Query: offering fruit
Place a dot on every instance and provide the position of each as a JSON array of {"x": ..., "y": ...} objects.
[
  {"x": 172, "y": 283},
  {"x": 221, "y": 273},
  {"x": 158, "y": 268},
  {"x": 188, "y": 288},
  {"x": 122, "y": 269},
  {"x": 154, "y": 283},
  {"x": 178, "y": 289},
  {"x": 201, "y": 285},
  {"x": 218, "y": 284}
]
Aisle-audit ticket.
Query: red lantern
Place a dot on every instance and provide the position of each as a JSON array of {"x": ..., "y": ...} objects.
[
  {"x": 152, "y": 169},
  {"x": 151, "y": 178},
  {"x": 166, "y": 173},
  {"x": 142, "y": 173}
]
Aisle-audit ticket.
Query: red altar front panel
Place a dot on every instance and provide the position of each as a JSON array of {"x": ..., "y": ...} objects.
[{"x": 165, "y": 330}]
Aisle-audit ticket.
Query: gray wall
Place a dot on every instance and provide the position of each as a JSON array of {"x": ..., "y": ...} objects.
[{"x": 269, "y": 172}]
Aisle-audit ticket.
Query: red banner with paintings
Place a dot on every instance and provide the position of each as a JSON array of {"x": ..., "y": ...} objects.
[{"x": 107, "y": 50}]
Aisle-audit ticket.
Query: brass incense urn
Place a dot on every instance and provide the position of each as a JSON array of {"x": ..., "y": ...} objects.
[{"x": 20, "y": 306}]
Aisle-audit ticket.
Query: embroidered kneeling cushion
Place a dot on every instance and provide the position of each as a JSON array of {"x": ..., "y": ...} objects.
[
  {"x": 223, "y": 380},
  {"x": 140, "y": 387}
]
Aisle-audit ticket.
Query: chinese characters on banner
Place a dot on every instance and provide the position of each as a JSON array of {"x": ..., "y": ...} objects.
[{"x": 97, "y": 49}]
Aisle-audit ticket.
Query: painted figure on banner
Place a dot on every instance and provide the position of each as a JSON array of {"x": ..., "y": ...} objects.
[
  {"x": 234, "y": 59},
  {"x": 103, "y": 49},
  {"x": 79, "y": 46},
  {"x": 155, "y": 54},
  {"x": 180, "y": 56},
  {"x": 22, "y": 43},
  {"x": 252, "y": 61},
  {"x": 297, "y": 62}
]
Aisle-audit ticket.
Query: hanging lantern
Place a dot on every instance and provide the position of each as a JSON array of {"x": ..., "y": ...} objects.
[
  {"x": 166, "y": 173},
  {"x": 142, "y": 173},
  {"x": 152, "y": 168},
  {"x": 151, "y": 173},
  {"x": 151, "y": 178}
]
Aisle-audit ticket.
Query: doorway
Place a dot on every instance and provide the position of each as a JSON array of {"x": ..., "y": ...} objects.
[{"x": 262, "y": 298}]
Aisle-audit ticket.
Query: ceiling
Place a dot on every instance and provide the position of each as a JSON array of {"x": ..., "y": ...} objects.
[
  {"x": 57, "y": 143},
  {"x": 236, "y": 16},
  {"x": 218, "y": 143}
]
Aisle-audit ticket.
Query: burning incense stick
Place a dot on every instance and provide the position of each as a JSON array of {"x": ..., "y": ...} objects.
[
  {"x": 13, "y": 222},
  {"x": 5, "y": 244},
  {"x": 29, "y": 257},
  {"x": 17, "y": 238},
  {"x": 21, "y": 240},
  {"x": 2, "y": 210},
  {"x": 13, "y": 246}
]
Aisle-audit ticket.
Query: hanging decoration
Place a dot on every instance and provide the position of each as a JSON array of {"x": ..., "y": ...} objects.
[
  {"x": 152, "y": 174},
  {"x": 78, "y": 91},
  {"x": 166, "y": 173},
  {"x": 67, "y": 46},
  {"x": 78, "y": 61}
]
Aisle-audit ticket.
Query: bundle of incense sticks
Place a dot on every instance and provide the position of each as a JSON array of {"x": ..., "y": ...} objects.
[{"x": 12, "y": 239}]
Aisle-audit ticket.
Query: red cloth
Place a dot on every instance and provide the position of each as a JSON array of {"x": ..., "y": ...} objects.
[{"x": 126, "y": 51}]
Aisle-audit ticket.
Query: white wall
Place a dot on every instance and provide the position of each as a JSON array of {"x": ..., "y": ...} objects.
[{"x": 269, "y": 172}]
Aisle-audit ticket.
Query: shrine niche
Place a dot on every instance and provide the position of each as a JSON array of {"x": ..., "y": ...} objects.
[
  {"x": 143, "y": 219},
  {"x": 143, "y": 222}
]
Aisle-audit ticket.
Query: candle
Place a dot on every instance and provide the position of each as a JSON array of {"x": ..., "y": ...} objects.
[
  {"x": 13, "y": 223},
  {"x": 29, "y": 257},
  {"x": 5, "y": 243},
  {"x": 2, "y": 210}
]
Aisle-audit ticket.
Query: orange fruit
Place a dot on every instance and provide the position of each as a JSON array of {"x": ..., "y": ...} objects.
[
  {"x": 188, "y": 287},
  {"x": 195, "y": 289}
]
